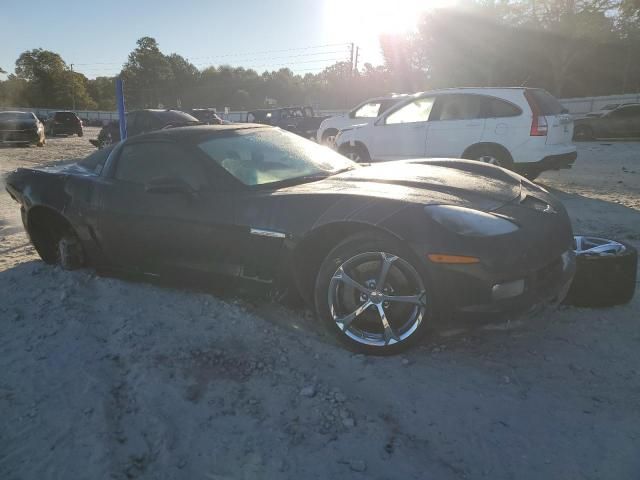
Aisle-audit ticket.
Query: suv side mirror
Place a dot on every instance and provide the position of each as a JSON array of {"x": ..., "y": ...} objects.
[{"x": 168, "y": 185}]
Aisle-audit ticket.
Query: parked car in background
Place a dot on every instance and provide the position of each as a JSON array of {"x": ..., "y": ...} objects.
[
  {"x": 522, "y": 129},
  {"x": 21, "y": 128},
  {"x": 380, "y": 252},
  {"x": 64, "y": 123},
  {"x": 621, "y": 122},
  {"x": 142, "y": 121},
  {"x": 208, "y": 116},
  {"x": 301, "y": 120},
  {"x": 364, "y": 112}
]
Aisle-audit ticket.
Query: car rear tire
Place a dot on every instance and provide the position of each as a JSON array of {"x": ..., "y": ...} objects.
[
  {"x": 371, "y": 295},
  {"x": 490, "y": 154},
  {"x": 80, "y": 134},
  {"x": 357, "y": 153},
  {"x": 606, "y": 273},
  {"x": 583, "y": 133}
]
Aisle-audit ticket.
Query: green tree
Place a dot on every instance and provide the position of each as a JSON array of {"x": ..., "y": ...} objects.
[{"x": 147, "y": 74}]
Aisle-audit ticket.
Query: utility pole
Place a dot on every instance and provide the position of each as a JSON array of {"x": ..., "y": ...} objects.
[
  {"x": 73, "y": 90},
  {"x": 356, "y": 60},
  {"x": 352, "y": 58}
]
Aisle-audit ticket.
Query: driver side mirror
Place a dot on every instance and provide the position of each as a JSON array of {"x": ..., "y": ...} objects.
[{"x": 169, "y": 185}]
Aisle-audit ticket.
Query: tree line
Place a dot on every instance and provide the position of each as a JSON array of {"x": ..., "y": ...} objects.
[{"x": 570, "y": 47}]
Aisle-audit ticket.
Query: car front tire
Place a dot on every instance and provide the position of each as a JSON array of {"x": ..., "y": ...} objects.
[
  {"x": 371, "y": 295},
  {"x": 357, "y": 153}
]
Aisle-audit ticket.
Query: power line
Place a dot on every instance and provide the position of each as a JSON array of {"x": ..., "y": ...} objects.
[
  {"x": 263, "y": 52},
  {"x": 278, "y": 51}
]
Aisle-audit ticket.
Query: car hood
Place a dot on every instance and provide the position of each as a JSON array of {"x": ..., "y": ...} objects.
[{"x": 428, "y": 182}]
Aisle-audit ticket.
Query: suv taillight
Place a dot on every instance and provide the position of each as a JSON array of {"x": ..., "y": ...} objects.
[{"x": 539, "y": 126}]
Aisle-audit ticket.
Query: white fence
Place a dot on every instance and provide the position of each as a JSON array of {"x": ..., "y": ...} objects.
[{"x": 576, "y": 106}]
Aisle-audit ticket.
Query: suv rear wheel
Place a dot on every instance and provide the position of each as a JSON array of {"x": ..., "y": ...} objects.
[{"x": 490, "y": 154}]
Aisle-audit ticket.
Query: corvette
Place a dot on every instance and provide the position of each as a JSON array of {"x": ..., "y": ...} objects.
[{"x": 379, "y": 251}]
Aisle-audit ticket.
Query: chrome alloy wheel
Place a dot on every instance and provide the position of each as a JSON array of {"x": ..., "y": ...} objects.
[
  {"x": 596, "y": 246},
  {"x": 377, "y": 298}
]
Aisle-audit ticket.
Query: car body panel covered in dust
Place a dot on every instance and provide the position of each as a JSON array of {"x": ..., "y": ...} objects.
[{"x": 280, "y": 232}]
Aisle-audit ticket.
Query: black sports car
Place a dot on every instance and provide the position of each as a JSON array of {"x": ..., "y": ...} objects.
[
  {"x": 21, "y": 128},
  {"x": 379, "y": 250}
]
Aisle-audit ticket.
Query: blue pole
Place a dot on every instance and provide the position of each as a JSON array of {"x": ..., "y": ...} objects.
[{"x": 121, "y": 112}]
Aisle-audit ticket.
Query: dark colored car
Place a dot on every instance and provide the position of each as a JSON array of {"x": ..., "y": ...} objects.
[
  {"x": 64, "y": 123},
  {"x": 380, "y": 251},
  {"x": 21, "y": 128},
  {"x": 620, "y": 122},
  {"x": 208, "y": 116},
  {"x": 299, "y": 120},
  {"x": 143, "y": 121}
]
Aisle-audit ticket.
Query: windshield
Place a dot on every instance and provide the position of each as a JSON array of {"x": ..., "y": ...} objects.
[
  {"x": 273, "y": 155},
  {"x": 174, "y": 116},
  {"x": 16, "y": 116}
]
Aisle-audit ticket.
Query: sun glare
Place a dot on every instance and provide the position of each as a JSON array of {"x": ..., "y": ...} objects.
[{"x": 363, "y": 21}]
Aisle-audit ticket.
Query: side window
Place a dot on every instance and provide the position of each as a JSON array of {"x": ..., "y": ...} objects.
[
  {"x": 132, "y": 122},
  {"x": 496, "y": 108},
  {"x": 416, "y": 111},
  {"x": 369, "y": 110},
  {"x": 145, "y": 122},
  {"x": 386, "y": 105},
  {"x": 460, "y": 107},
  {"x": 142, "y": 162}
]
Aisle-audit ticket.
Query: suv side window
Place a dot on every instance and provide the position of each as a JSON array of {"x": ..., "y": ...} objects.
[
  {"x": 417, "y": 111},
  {"x": 497, "y": 108},
  {"x": 140, "y": 163},
  {"x": 459, "y": 107}
]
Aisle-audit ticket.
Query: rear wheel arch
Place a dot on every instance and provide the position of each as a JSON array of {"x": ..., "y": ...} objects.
[
  {"x": 309, "y": 254},
  {"x": 46, "y": 227},
  {"x": 480, "y": 147},
  {"x": 329, "y": 131}
]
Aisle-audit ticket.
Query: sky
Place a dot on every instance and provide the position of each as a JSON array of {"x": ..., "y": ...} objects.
[{"x": 305, "y": 35}]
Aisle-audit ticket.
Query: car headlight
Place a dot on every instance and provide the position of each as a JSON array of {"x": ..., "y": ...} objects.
[{"x": 469, "y": 222}]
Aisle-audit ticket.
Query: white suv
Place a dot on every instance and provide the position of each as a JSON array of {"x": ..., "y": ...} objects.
[
  {"x": 523, "y": 129},
  {"x": 364, "y": 112}
]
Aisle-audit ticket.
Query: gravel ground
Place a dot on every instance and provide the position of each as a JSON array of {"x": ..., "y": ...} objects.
[{"x": 110, "y": 378}]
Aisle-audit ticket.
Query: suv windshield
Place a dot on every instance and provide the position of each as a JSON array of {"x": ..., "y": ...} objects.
[{"x": 273, "y": 155}]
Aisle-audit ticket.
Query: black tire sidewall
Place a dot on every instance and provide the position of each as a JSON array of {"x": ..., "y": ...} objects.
[
  {"x": 348, "y": 248},
  {"x": 604, "y": 281}
]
